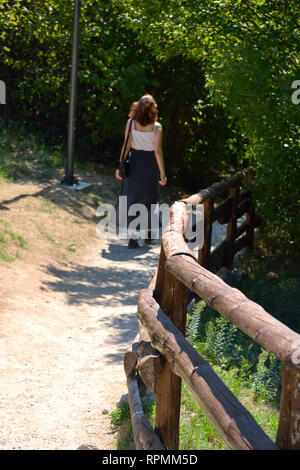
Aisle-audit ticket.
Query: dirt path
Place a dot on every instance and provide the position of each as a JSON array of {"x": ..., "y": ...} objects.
[
  {"x": 66, "y": 319},
  {"x": 67, "y": 314},
  {"x": 64, "y": 335}
]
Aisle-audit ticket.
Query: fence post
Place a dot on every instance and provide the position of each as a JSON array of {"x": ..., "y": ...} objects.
[
  {"x": 204, "y": 252},
  {"x": 232, "y": 226},
  {"x": 288, "y": 434},
  {"x": 160, "y": 277},
  {"x": 172, "y": 296}
]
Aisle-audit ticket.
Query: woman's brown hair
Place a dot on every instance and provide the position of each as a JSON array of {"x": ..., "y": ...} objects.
[{"x": 144, "y": 111}]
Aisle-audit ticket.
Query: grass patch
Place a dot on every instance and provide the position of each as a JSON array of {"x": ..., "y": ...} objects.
[
  {"x": 48, "y": 237},
  {"x": 47, "y": 205},
  {"x": 196, "y": 431},
  {"x": 10, "y": 242},
  {"x": 121, "y": 422}
]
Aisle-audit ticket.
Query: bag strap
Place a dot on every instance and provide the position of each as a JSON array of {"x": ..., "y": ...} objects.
[{"x": 124, "y": 148}]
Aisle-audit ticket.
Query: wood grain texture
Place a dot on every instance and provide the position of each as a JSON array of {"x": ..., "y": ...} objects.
[
  {"x": 148, "y": 360},
  {"x": 288, "y": 434},
  {"x": 173, "y": 298},
  {"x": 144, "y": 436},
  {"x": 219, "y": 187},
  {"x": 231, "y": 419},
  {"x": 247, "y": 315},
  {"x": 204, "y": 252}
]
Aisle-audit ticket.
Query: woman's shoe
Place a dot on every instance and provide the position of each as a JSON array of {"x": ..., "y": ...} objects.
[{"x": 132, "y": 243}]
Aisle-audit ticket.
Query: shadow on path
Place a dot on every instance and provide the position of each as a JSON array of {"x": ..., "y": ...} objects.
[
  {"x": 108, "y": 286},
  {"x": 113, "y": 288},
  {"x": 118, "y": 252},
  {"x": 82, "y": 203}
]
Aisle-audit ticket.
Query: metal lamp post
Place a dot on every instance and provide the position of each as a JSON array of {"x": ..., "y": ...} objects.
[{"x": 69, "y": 180}]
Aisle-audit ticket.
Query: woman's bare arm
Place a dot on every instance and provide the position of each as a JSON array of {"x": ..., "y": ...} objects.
[{"x": 158, "y": 150}]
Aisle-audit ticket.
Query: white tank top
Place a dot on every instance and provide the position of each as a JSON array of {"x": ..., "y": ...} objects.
[{"x": 143, "y": 140}]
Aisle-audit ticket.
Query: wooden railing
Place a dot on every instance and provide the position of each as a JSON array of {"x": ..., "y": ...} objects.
[{"x": 160, "y": 357}]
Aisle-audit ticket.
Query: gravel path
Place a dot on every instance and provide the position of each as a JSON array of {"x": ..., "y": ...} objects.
[{"x": 63, "y": 339}]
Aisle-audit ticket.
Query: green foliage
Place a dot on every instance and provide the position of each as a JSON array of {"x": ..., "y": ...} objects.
[
  {"x": 116, "y": 66},
  {"x": 272, "y": 283},
  {"x": 196, "y": 430},
  {"x": 221, "y": 71},
  {"x": 250, "y": 54},
  {"x": 266, "y": 378},
  {"x": 120, "y": 415},
  {"x": 227, "y": 347},
  {"x": 10, "y": 243},
  {"x": 22, "y": 145},
  {"x": 194, "y": 322},
  {"x": 121, "y": 421}
]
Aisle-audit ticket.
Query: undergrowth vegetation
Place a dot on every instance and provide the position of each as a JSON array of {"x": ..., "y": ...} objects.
[
  {"x": 225, "y": 346},
  {"x": 22, "y": 146}
]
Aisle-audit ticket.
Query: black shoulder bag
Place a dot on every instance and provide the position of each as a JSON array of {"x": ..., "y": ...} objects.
[{"x": 124, "y": 164}]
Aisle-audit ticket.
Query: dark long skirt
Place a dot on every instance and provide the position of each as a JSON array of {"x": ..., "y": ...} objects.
[{"x": 141, "y": 187}]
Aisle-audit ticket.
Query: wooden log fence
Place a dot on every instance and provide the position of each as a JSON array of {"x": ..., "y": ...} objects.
[
  {"x": 231, "y": 419},
  {"x": 161, "y": 356},
  {"x": 144, "y": 436}
]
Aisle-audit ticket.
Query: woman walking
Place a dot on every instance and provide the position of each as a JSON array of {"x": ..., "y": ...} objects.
[{"x": 143, "y": 135}]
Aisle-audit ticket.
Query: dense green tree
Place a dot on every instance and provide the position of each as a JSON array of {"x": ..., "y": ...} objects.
[
  {"x": 116, "y": 66},
  {"x": 222, "y": 72},
  {"x": 250, "y": 53}
]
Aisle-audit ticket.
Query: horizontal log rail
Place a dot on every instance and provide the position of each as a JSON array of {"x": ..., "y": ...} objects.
[
  {"x": 231, "y": 419},
  {"x": 162, "y": 317},
  {"x": 247, "y": 315},
  {"x": 144, "y": 436},
  {"x": 219, "y": 187}
]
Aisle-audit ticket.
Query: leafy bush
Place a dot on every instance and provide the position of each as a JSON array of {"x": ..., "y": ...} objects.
[
  {"x": 265, "y": 380},
  {"x": 227, "y": 347},
  {"x": 21, "y": 145},
  {"x": 249, "y": 51},
  {"x": 222, "y": 72},
  {"x": 271, "y": 281},
  {"x": 115, "y": 68}
]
